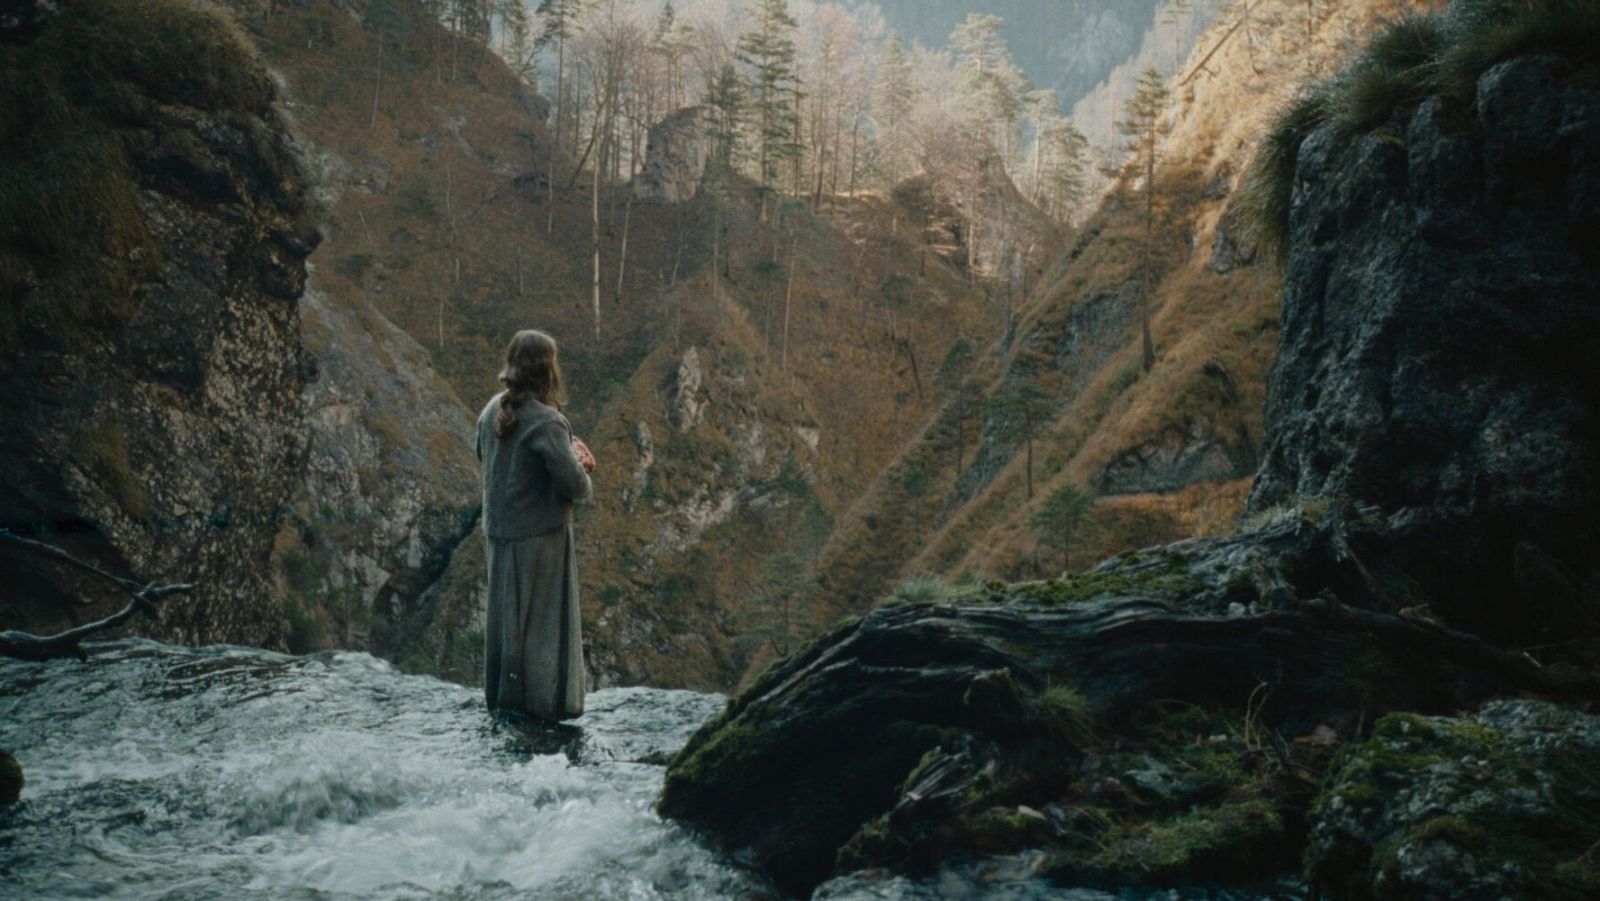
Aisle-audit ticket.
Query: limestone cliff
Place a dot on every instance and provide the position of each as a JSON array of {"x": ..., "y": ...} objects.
[{"x": 153, "y": 240}]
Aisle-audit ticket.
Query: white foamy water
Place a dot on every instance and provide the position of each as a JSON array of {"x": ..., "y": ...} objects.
[
  {"x": 162, "y": 772},
  {"x": 157, "y": 772}
]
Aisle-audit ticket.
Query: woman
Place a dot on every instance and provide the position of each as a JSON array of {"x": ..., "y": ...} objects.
[{"x": 533, "y": 471}]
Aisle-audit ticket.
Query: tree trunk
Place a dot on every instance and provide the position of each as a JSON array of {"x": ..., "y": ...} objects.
[
  {"x": 594, "y": 232},
  {"x": 788, "y": 300},
  {"x": 377, "y": 85},
  {"x": 622, "y": 254},
  {"x": 1027, "y": 419}
]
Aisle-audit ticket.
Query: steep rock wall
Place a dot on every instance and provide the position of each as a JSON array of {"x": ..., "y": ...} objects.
[
  {"x": 152, "y": 421},
  {"x": 389, "y": 490},
  {"x": 1439, "y": 324}
]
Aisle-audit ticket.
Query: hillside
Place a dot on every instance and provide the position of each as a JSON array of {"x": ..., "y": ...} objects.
[
  {"x": 717, "y": 462},
  {"x": 1167, "y": 453}
]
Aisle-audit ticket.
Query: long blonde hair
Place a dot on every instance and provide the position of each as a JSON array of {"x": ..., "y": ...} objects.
[{"x": 531, "y": 371}]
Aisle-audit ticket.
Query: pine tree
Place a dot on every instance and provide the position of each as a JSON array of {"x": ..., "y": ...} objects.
[
  {"x": 517, "y": 37},
  {"x": 670, "y": 44},
  {"x": 768, "y": 49},
  {"x": 895, "y": 96},
  {"x": 1066, "y": 177},
  {"x": 1143, "y": 124},
  {"x": 560, "y": 24},
  {"x": 991, "y": 86},
  {"x": 1059, "y": 518},
  {"x": 725, "y": 95}
]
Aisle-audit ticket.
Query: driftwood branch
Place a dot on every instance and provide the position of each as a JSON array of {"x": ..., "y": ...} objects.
[{"x": 143, "y": 599}]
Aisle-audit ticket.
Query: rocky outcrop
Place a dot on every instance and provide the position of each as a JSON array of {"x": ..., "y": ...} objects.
[
  {"x": 705, "y": 499},
  {"x": 1501, "y": 804},
  {"x": 923, "y": 730},
  {"x": 390, "y": 487},
  {"x": 162, "y": 435},
  {"x": 1232, "y": 247},
  {"x": 676, "y": 153},
  {"x": 1436, "y": 360},
  {"x": 1177, "y": 457}
]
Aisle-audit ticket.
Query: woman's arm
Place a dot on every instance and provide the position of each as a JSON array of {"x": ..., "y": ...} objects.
[{"x": 554, "y": 443}]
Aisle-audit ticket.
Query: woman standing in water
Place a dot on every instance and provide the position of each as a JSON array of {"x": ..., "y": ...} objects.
[{"x": 534, "y": 469}]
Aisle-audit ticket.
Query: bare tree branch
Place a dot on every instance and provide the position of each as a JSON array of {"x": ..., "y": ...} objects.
[{"x": 144, "y": 597}]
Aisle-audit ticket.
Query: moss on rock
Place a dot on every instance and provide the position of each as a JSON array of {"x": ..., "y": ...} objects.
[{"x": 1502, "y": 804}]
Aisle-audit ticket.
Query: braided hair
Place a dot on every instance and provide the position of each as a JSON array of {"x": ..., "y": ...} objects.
[{"x": 531, "y": 371}]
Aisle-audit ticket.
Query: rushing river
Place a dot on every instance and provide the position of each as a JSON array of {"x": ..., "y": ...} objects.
[{"x": 163, "y": 772}]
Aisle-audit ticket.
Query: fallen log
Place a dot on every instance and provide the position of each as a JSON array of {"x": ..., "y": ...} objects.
[{"x": 812, "y": 765}]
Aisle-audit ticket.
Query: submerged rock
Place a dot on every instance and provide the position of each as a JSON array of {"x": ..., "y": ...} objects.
[
  {"x": 1501, "y": 804},
  {"x": 11, "y": 780}
]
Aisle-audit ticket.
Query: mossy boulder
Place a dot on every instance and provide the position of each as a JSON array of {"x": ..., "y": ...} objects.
[{"x": 1502, "y": 804}]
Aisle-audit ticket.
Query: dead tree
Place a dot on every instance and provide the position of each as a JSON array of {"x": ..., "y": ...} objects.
[{"x": 142, "y": 599}]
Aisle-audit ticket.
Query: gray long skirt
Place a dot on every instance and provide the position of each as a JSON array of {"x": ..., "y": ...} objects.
[{"x": 533, "y": 640}]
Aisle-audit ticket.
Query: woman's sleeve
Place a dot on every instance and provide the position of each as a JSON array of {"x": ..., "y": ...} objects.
[{"x": 554, "y": 444}]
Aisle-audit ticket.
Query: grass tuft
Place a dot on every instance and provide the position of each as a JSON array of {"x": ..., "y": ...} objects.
[
  {"x": 1412, "y": 59},
  {"x": 924, "y": 589}
]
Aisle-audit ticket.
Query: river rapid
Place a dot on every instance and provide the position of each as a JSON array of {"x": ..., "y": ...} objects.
[{"x": 174, "y": 773}]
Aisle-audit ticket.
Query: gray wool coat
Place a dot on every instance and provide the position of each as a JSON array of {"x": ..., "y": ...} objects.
[
  {"x": 533, "y": 636},
  {"x": 532, "y": 476}
]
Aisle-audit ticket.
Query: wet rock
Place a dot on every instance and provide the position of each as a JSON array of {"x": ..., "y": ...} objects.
[
  {"x": 11, "y": 780},
  {"x": 1436, "y": 358},
  {"x": 887, "y": 742},
  {"x": 1502, "y": 804}
]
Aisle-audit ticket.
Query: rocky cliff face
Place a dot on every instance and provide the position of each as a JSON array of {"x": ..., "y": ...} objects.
[
  {"x": 1439, "y": 320},
  {"x": 160, "y": 436},
  {"x": 390, "y": 487}
]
